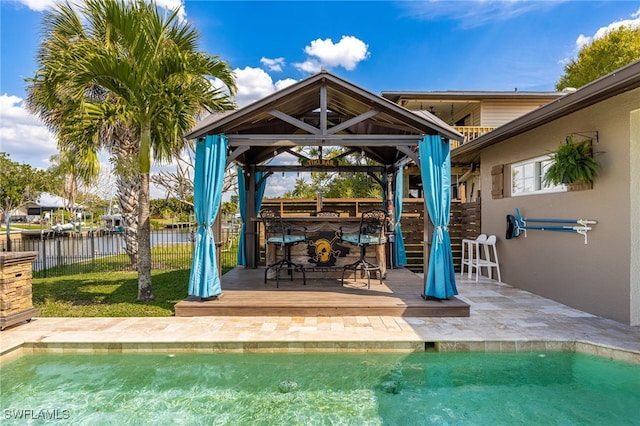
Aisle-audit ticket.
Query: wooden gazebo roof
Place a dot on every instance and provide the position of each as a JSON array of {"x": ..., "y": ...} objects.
[{"x": 322, "y": 110}]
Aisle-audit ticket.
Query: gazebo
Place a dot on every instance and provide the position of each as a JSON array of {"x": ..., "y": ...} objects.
[{"x": 322, "y": 111}]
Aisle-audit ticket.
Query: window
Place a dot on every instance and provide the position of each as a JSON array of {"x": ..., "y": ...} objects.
[{"x": 527, "y": 177}]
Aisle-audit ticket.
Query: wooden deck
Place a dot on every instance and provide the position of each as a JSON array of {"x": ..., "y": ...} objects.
[{"x": 244, "y": 293}]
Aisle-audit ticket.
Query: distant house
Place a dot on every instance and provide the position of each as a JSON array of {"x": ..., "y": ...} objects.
[
  {"x": 45, "y": 206},
  {"x": 603, "y": 276},
  {"x": 472, "y": 113}
]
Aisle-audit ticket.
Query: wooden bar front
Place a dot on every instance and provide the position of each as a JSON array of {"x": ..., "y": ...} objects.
[{"x": 324, "y": 250}]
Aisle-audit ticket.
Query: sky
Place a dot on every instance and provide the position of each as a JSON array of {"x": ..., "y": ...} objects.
[{"x": 378, "y": 45}]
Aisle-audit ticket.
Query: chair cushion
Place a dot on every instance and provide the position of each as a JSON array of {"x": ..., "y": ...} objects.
[
  {"x": 288, "y": 239},
  {"x": 363, "y": 240}
]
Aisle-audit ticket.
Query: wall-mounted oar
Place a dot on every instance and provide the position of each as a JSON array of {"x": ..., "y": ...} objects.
[{"x": 517, "y": 225}]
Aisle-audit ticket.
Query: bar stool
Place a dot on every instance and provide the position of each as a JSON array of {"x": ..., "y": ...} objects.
[
  {"x": 278, "y": 233},
  {"x": 490, "y": 259},
  {"x": 472, "y": 249},
  {"x": 370, "y": 233}
]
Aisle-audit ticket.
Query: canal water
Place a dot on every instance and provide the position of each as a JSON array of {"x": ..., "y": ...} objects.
[{"x": 68, "y": 248}]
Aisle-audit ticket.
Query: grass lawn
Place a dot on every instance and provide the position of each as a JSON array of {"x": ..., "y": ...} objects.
[
  {"x": 108, "y": 294},
  {"x": 108, "y": 289}
]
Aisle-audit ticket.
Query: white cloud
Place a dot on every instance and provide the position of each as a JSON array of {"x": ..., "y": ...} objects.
[
  {"x": 23, "y": 135},
  {"x": 255, "y": 83},
  {"x": 281, "y": 84},
  {"x": 42, "y": 5},
  {"x": 583, "y": 40},
  {"x": 274, "y": 64},
  {"x": 278, "y": 185},
  {"x": 38, "y": 5},
  {"x": 310, "y": 66},
  {"x": 346, "y": 53},
  {"x": 172, "y": 5}
]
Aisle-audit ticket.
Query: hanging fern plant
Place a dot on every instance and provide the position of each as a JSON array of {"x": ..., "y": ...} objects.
[{"x": 573, "y": 163}]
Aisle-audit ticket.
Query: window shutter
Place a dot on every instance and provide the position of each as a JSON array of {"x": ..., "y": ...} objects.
[{"x": 497, "y": 181}]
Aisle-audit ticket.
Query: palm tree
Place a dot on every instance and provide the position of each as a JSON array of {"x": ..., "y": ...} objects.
[
  {"x": 134, "y": 68},
  {"x": 65, "y": 166}
]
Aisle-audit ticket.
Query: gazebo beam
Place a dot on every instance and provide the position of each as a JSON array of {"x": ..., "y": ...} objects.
[
  {"x": 295, "y": 122},
  {"x": 320, "y": 168},
  {"x": 409, "y": 153},
  {"x": 329, "y": 140},
  {"x": 236, "y": 153},
  {"x": 346, "y": 124}
]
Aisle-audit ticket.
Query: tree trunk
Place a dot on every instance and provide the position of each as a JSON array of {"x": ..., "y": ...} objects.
[
  {"x": 145, "y": 292},
  {"x": 126, "y": 153},
  {"x": 7, "y": 228},
  {"x": 144, "y": 225},
  {"x": 128, "y": 190}
]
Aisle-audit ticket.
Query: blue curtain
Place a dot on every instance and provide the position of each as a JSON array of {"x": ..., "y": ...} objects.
[
  {"x": 435, "y": 168},
  {"x": 211, "y": 158},
  {"x": 260, "y": 187},
  {"x": 400, "y": 256},
  {"x": 242, "y": 201}
]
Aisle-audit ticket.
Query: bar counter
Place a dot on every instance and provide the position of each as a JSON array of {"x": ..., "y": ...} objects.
[{"x": 324, "y": 249}]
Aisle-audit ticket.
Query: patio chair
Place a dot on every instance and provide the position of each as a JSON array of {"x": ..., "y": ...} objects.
[
  {"x": 370, "y": 232},
  {"x": 284, "y": 235}
]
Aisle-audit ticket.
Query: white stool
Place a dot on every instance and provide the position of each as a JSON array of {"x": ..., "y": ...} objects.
[
  {"x": 472, "y": 250},
  {"x": 490, "y": 259}
]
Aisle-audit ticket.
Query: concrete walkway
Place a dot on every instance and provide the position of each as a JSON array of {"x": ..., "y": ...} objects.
[{"x": 502, "y": 318}]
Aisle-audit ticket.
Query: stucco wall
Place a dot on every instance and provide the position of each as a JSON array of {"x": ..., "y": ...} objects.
[
  {"x": 593, "y": 277},
  {"x": 634, "y": 197}
]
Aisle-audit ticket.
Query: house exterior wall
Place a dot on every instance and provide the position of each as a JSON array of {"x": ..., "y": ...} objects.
[
  {"x": 634, "y": 197},
  {"x": 496, "y": 112},
  {"x": 600, "y": 277},
  {"x": 473, "y": 109}
]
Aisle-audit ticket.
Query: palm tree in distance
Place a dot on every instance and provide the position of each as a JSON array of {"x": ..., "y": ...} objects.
[{"x": 132, "y": 80}]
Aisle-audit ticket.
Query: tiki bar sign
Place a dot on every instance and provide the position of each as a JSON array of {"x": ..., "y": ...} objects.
[{"x": 320, "y": 162}]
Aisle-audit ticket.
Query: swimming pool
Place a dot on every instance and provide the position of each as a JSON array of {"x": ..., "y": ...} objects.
[{"x": 307, "y": 389}]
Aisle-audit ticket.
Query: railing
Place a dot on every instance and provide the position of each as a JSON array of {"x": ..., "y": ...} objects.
[
  {"x": 83, "y": 252},
  {"x": 471, "y": 132}
]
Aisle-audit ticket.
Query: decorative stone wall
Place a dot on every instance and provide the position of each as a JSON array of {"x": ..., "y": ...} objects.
[{"x": 15, "y": 288}]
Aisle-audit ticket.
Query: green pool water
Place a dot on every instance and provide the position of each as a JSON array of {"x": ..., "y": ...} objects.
[{"x": 320, "y": 389}]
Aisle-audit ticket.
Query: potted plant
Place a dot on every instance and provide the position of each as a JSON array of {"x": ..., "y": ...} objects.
[{"x": 573, "y": 165}]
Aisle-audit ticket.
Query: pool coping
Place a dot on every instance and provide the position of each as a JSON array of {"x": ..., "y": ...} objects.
[{"x": 521, "y": 346}]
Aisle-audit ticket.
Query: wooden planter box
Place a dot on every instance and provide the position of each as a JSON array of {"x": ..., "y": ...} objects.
[{"x": 15, "y": 288}]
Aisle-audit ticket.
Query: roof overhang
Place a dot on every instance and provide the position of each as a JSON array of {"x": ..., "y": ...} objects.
[{"x": 466, "y": 95}]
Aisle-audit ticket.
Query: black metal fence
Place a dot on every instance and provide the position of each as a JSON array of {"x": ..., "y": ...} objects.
[{"x": 95, "y": 251}]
